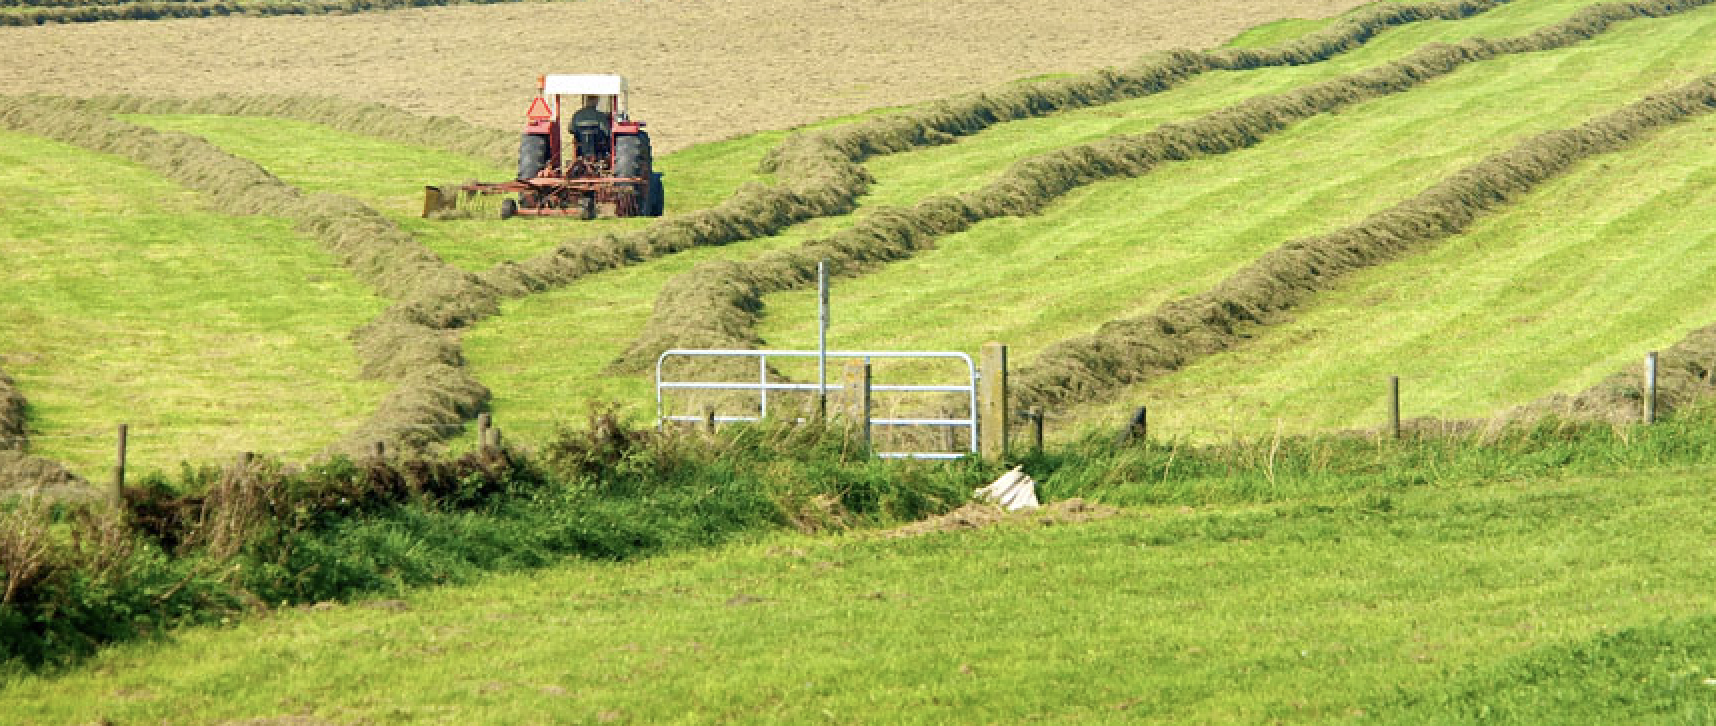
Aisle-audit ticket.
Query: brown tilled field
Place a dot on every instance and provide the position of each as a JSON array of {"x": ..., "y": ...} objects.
[{"x": 700, "y": 69}]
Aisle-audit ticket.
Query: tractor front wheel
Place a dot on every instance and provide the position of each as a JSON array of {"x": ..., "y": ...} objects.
[{"x": 509, "y": 208}]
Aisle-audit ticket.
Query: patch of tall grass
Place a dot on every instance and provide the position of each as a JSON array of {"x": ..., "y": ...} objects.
[{"x": 212, "y": 544}]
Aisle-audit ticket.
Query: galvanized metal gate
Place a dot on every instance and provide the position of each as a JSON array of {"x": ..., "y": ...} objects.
[{"x": 763, "y": 386}]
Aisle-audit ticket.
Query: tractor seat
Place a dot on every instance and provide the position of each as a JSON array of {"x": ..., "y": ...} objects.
[{"x": 592, "y": 140}]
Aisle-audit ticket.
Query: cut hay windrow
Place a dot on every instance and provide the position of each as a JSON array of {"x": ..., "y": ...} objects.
[
  {"x": 1129, "y": 351},
  {"x": 17, "y": 468},
  {"x": 821, "y": 173},
  {"x": 717, "y": 304},
  {"x": 966, "y": 115},
  {"x": 755, "y": 210},
  {"x": 409, "y": 344},
  {"x": 1686, "y": 373},
  {"x": 80, "y": 11}
]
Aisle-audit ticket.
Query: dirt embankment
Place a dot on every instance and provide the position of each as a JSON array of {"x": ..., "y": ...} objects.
[
  {"x": 701, "y": 69},
  {"x": 978, "y": 515}
]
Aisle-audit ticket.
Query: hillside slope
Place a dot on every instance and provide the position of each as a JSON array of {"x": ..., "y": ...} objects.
[{"x": 1041, "y": 213}]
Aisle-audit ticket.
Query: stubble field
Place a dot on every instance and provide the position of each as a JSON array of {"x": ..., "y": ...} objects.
[{"x": 700, "y": 70}]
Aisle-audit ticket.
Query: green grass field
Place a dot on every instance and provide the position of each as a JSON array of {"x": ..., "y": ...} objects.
[
  {"x": 936, "y": 301},
  {"x": 1117, "y": 248},
  {"x": 123, "y": 300},
  {"x": 1537, "y": 580},
  {"x": 1122, "y": 248},
  {"x": 1577, "y": 281},
  {"x": 1380, "y": 606},
  {"x": 544, "y": 357},
  {"x": 390, "y": 177}
]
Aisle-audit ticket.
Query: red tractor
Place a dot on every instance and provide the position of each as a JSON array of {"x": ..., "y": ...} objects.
[{"x": 607, "y": 174}]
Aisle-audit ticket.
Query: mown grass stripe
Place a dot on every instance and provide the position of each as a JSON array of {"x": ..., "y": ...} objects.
[
  {"x": 716, "y": 305},
  {"x": 375, "y": 120},
  {"x": 822, "y": 174},
  {"x": 408, "y": 343},
  {"x": 1129, "y": 351}
]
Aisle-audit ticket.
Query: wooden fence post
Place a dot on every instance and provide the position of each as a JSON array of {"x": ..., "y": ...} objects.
[
  {"x": 1650, "y": 388},
  {"x": 1394, "y": 406},
  {"x": 1137, "y": 427},
  {"x": 483, "y": 421},
  {"x": 992, "y": 402},
  {"x": 1037, "y": 429},
  {"x": 118, "y": 492},
  {"x": 709, "y": 419}
]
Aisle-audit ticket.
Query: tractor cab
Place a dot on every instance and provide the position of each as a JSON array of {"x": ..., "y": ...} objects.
[
  {"x": 581, "y": 155},
  {"x": 596, "y": 107}
]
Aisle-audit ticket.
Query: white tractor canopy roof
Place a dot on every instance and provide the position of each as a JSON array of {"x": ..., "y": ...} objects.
[{"x": 583, "y": 84}]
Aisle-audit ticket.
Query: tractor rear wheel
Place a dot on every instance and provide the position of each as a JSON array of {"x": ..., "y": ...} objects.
[
  {"x": 657, "y": 198},
  {"x": 509, "y": 208},
  {"x": 532, "y": 155},
  {"x": 631, "y": 156}
]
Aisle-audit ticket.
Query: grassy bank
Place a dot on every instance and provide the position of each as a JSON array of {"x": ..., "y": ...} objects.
[
  {"x": 240, "y": 542},
  {"x": 1372, "y": 581}
]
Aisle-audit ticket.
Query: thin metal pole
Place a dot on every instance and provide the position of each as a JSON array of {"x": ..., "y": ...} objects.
[
  {"x": 763, "y": 379},
  {"x": 822, "y": 339},
  {"x": 971, "y": 397}
]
